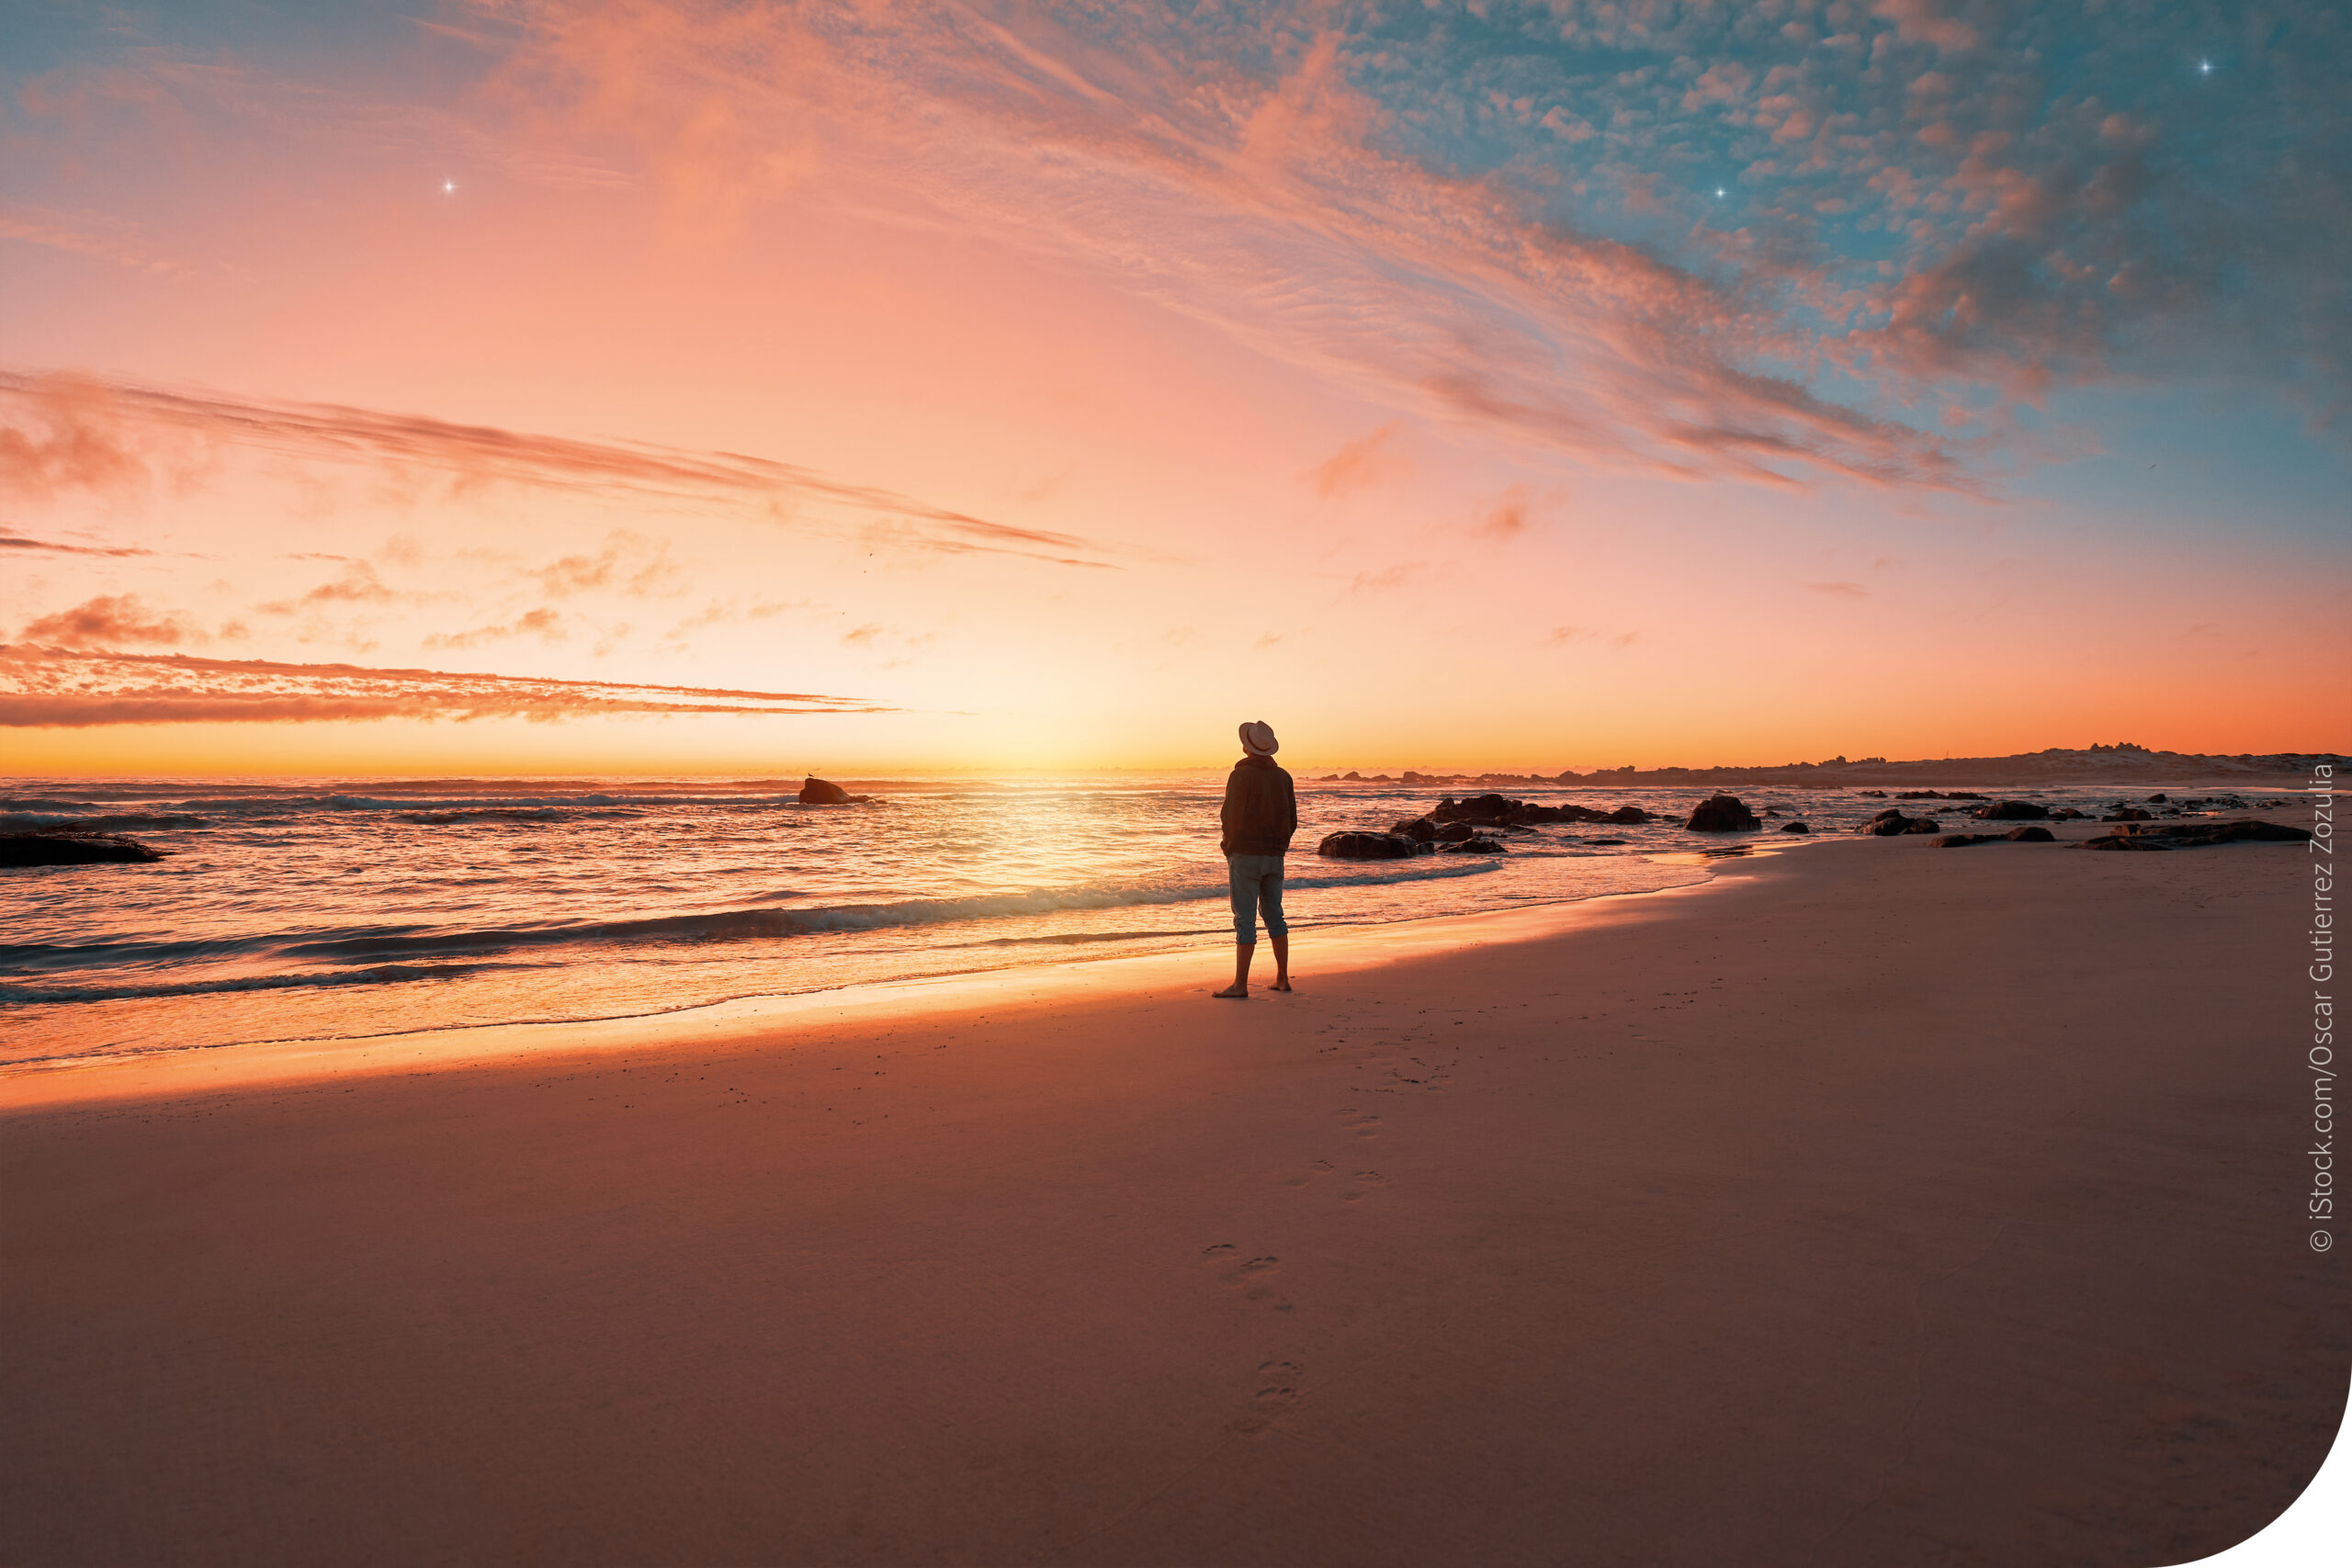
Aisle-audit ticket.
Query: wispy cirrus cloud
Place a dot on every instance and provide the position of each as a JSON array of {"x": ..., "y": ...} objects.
[
  {"x": 1694, "y": 241},
  {"x": 9, "y": 541},
  {"x": 83, "y": 234},
  {"x": 57, "y": 687},
  {"x": 63, "y": 431}
]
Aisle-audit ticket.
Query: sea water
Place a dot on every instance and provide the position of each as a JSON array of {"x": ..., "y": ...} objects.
[{"x": 309, "y": 910}]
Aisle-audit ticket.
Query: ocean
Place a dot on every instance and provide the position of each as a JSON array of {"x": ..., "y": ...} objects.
[{"x": 308, "y": 910}]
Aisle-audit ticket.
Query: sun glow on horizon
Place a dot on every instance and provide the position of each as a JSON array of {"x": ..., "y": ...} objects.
[{"x": 877, "y": 356}]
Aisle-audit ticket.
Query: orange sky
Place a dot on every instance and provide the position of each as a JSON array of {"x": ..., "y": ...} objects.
[{"x": 1067, "y": 429}]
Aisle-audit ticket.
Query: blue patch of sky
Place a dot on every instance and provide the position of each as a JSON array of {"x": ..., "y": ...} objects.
[{"x": 2199, "y": 462}]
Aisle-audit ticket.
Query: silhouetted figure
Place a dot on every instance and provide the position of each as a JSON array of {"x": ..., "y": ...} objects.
[{"x": 1260, "y": 813}]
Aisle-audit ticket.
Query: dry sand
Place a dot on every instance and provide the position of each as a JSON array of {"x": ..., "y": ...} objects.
[{"x": 1876, "y": 1204}]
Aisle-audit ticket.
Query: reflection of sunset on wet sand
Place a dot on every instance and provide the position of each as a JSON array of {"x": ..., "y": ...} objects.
[{"x": 621, "y": 629}]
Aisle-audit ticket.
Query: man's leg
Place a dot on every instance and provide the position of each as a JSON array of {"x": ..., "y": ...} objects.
[
  {"x": 1269, "y": 899},
  {"x": 1245, "y": 927}
]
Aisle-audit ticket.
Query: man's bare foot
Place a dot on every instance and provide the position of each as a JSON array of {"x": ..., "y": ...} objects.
[
  {"x": 1280, "y": 984},
  {"x": 1239, "y": 993}
]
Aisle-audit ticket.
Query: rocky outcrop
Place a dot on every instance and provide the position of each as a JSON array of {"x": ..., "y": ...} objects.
[
  {"x": 1420, "y": 828},
  {"x": 815, "y": 790},
  {"x": 1796, "y": 828},
  {"x": 1500, "y": 811},
  {"x": 1887, "y": 824},
  {"x": 2012, "y": 811},
  {"x": 1722, "y": 814},
  {"x": 1370, "y": 846},
  {"x": 2128, "y": 814},
  {"x": 72, "y": 849},
  {"x": 1477, "y": 844},
  {"x": 2015, "y": 834},
  {"x": 2198, "y": 835}
]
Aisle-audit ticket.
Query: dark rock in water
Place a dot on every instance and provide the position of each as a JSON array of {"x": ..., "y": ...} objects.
[
  {"x": 2031, "y": 836},
  {"x": 1368, "y": 846},
  {"x": 2159, "y": 798},
  {"x": 1454, "y": 832},
  {"x": 1477, "y": 844},
  {"x": 1721, "y": 814},
  {"x": 1873, "y": 793},
  {"x": 2128, "y": 814},
  {"x": 70, "y": 849},
  {"x": 1891, "y": 822},
  {"x": 1796, "y": 828},
  {"x": 815, "y": 790},
  {"x": 1500, "y": 811},
  {"x": 1603, "y": 843},
  {"x": 1962, "y": 840},
  {"x": 1917, "y": 794},
  {"x": 2066, "y": 813},
  {"x": 1420, "y": 828},
  {"x": 1477, "y": 808},
  {"x": 2012, "y": 811}
]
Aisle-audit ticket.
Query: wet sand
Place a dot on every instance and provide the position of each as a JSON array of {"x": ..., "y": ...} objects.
[{"x": 1875, "y": 1204}]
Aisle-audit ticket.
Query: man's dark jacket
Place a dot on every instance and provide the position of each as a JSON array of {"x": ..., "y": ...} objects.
[{"x": 1260, "y": 812}]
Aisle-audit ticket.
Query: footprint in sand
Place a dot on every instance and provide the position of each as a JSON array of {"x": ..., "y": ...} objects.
[
  {"x": 1320, "y": 1167},
  {"x": 1280, "y": 1387},
  {"x": 1362, "y": 1125},
  {"x": 1253, "y": 1281},
  {"x": 1359, "y": 1186}
]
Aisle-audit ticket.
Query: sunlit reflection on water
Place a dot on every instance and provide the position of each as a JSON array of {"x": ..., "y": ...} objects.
[{"x": 305, "y": 911}]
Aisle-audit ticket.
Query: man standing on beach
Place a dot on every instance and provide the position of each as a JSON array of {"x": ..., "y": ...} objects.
[{"x": 1261, "y": 813}]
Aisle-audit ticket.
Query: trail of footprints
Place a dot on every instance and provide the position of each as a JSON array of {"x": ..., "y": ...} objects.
[{"x": 1282, "y": 1384}]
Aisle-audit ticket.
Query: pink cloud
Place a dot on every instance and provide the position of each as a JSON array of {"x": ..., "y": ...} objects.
[
  {"x": 1358, "y": 465},
  {"x": 107, "y": 621},
  {"x": 58, "y": 687},
  {"x": 73, "y": 432}
]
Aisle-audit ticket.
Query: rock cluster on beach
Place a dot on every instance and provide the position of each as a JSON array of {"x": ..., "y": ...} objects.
[
  {"x": 63, "y": 847},
  {"x": 1419, "y": 836},
  {"x": 1451, "y": 826},
  {"x": 2196, "y": 835},
  {"x": 2011, "y": 811}
]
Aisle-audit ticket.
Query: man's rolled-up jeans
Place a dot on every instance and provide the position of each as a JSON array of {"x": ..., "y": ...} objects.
[{"x": 1257, "y": 885}]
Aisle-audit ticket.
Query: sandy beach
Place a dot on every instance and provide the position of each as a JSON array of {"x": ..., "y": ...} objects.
[{"x": 1873, "y": 1205}]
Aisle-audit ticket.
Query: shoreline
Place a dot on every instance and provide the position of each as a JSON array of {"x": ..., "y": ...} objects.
[
  {"x": 1340, "y": 948},
  {"x": 1884, "y": 1204}
]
